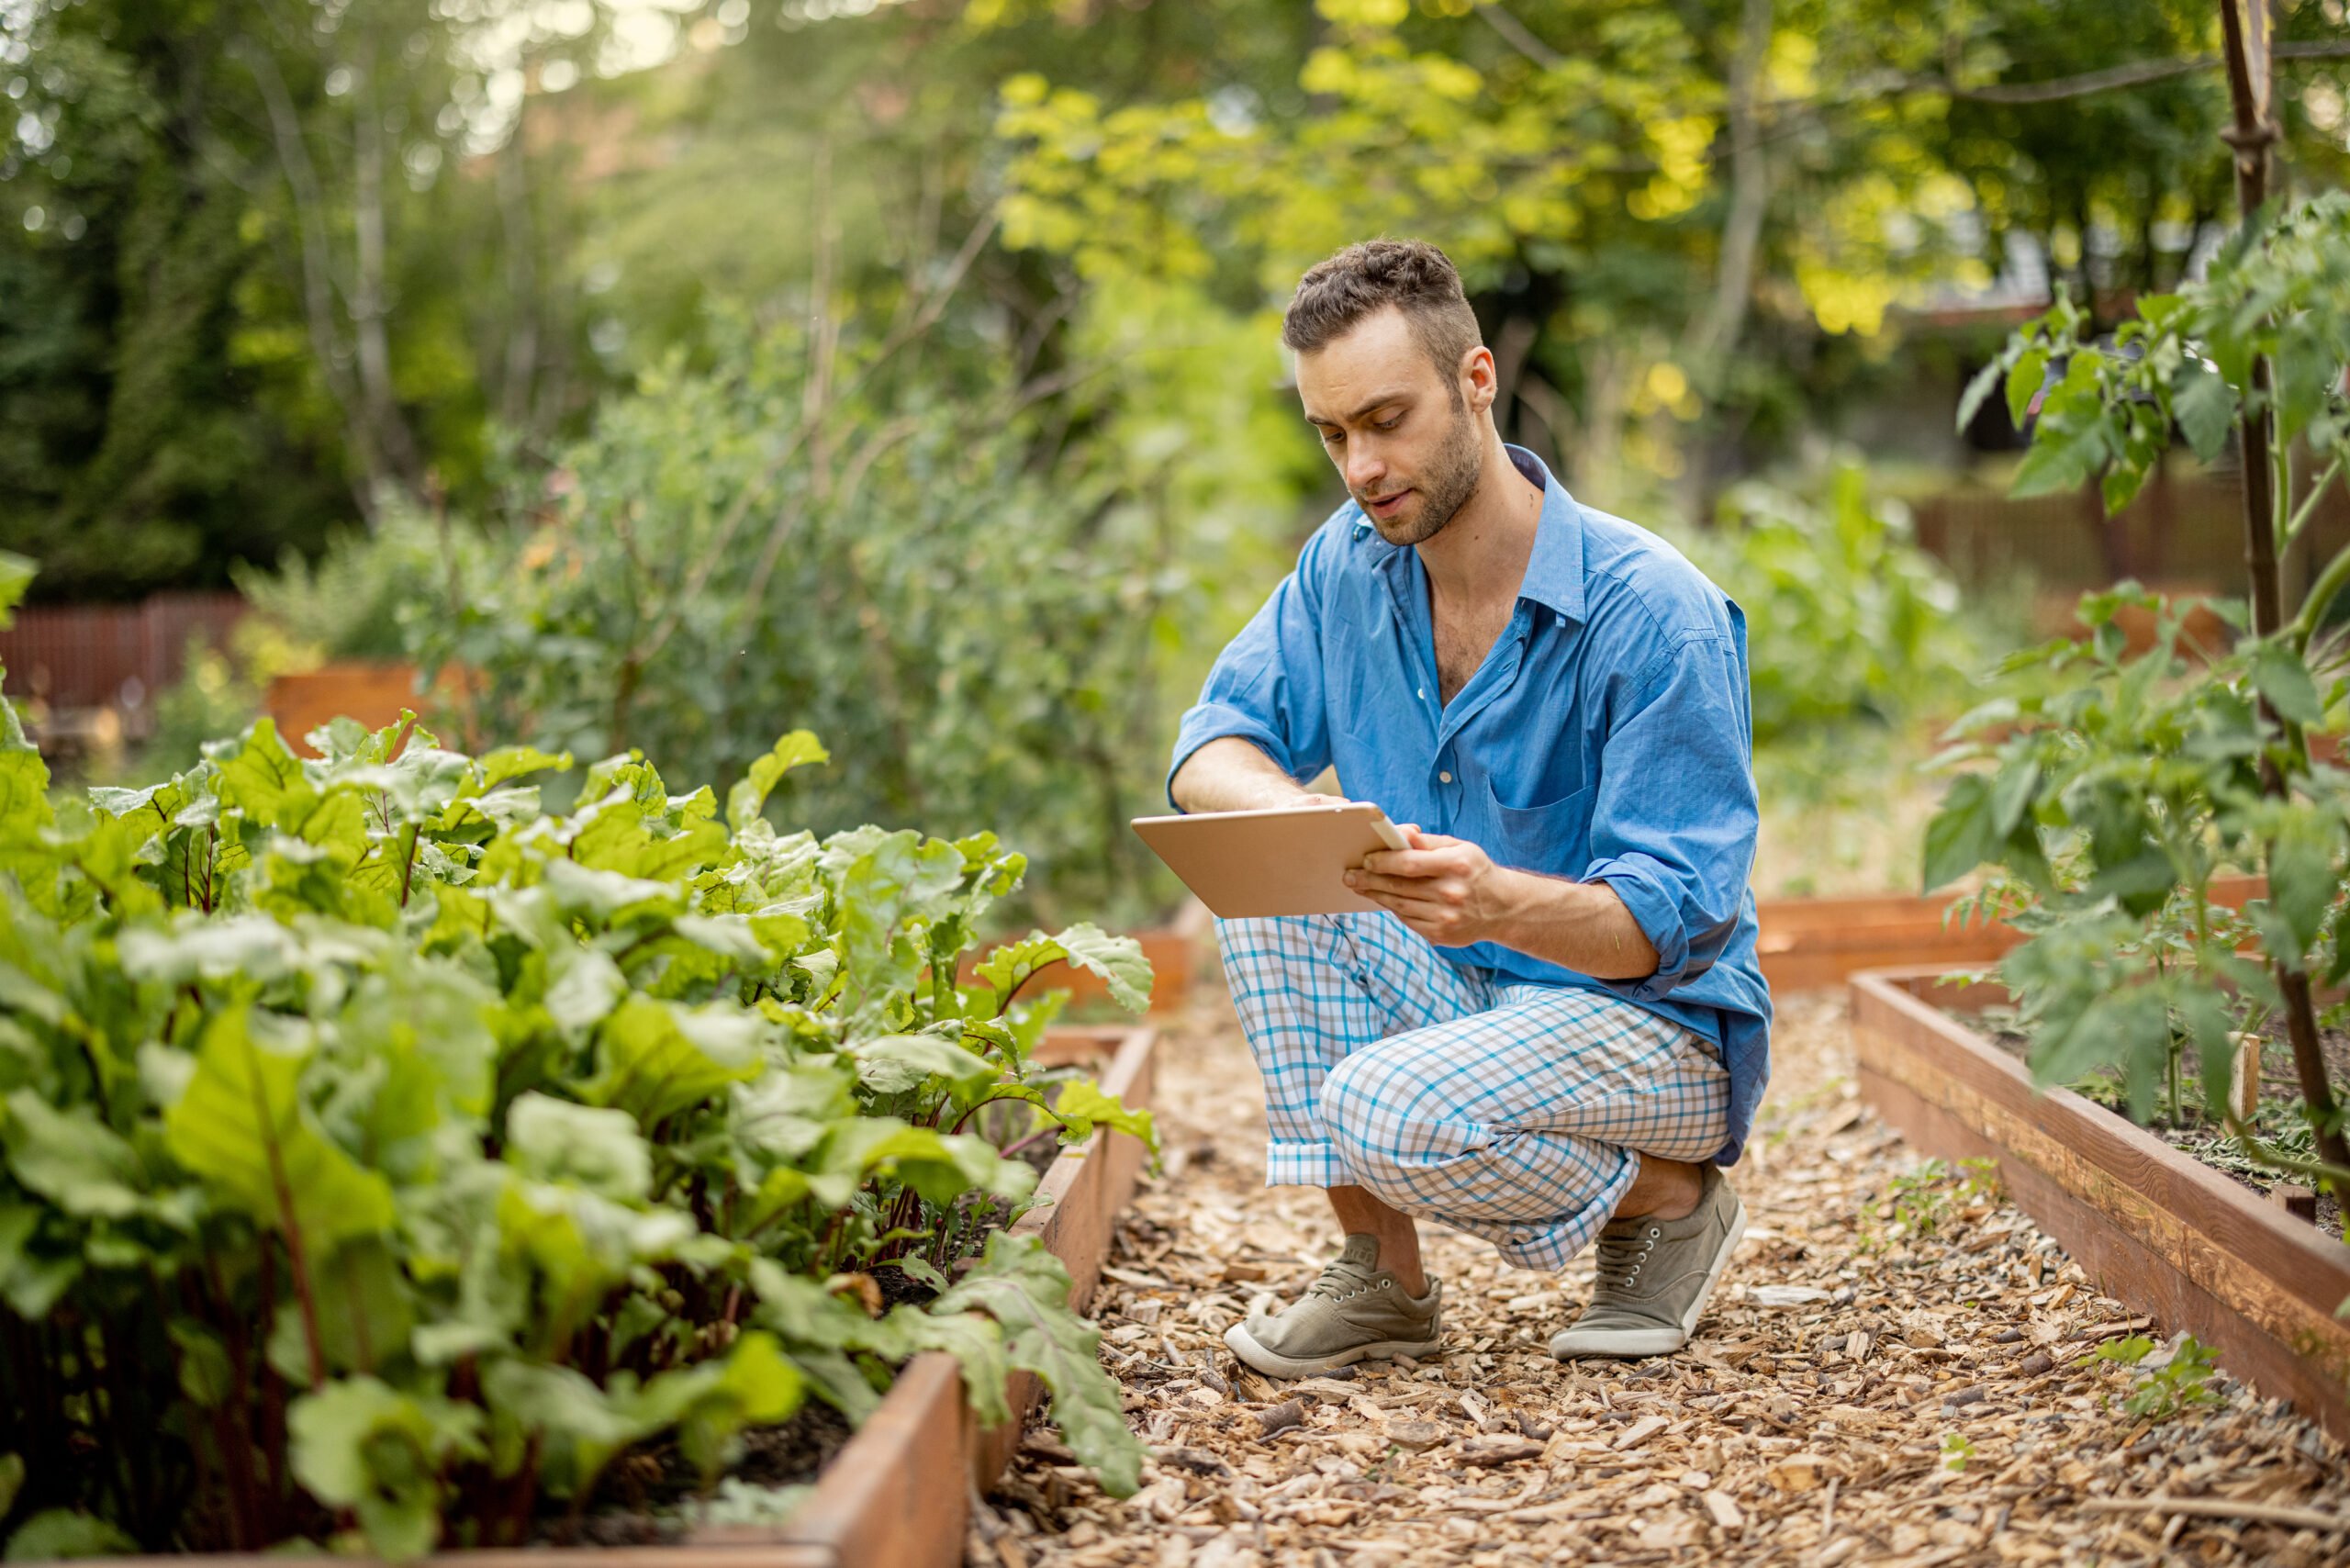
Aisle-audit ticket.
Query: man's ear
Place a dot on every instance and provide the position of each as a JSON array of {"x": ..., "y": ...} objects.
[{"x": 1480, "y": 382}]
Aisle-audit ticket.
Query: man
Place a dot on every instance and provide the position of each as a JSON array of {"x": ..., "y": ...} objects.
[{"x": 1555, "y": 1029}]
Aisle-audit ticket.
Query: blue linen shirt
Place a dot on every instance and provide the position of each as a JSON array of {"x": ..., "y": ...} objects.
[{"x": 1606, "y": 737}]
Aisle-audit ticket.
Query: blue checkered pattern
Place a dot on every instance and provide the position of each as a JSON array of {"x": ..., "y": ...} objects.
[{"x": 1506, "y": 1110}]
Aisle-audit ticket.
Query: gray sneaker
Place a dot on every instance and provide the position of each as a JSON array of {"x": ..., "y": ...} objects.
[
  {"x": 1355, "y": 1311},
  {"x": 1655, "y": 1276}
]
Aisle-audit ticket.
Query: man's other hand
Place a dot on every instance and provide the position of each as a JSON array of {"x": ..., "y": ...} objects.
[{"x": 1446, "y": 889}]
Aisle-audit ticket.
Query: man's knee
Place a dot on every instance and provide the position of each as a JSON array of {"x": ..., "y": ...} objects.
[{"x": 1369, "y": 1116}]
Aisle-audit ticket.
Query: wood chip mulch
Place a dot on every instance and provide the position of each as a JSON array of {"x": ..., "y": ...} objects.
[{"x": 1864, "y": 1389}]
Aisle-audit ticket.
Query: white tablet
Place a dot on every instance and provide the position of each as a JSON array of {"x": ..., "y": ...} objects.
[{"x": 1287, "y": 860}]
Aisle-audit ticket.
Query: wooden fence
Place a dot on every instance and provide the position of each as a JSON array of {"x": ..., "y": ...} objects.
[
  {"x": 2182, "y": 531},
  {"x": 75, "y": 656}
]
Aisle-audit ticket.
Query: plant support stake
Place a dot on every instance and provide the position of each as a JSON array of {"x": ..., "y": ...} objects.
[{"x": 2245, "y": 30}]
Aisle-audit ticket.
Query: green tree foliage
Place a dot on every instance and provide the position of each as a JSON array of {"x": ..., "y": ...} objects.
[
  {"x": 252, "y": 289},
  {"x": 289, "y": 256},
  {"x": 1846, "y": 618},
  {"x": 372, "y": 1140}
]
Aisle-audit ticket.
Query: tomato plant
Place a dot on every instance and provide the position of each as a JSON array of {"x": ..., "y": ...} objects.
[
  {"x": 2111, "y": 788},
  {"x": 384, "y": 1154}
]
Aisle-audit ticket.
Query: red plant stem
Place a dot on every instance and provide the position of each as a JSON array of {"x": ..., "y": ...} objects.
[
  {"x": 362, "y": 1341},
  {"x": 273, "y": 1392},
  {"x": 289, "y": 1221},
  {"x": 408, "y": 871},
  {"x": 236, "y": 1447},
  {"x": 1032, "y": 1137}
]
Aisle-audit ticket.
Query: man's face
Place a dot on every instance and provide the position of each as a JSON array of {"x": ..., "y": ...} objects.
[{"x": 1398, "y": 430}]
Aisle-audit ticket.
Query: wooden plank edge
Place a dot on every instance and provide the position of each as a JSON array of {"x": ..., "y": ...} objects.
[
  {"x": 1808, "y": 944},
  {"x": 2146, "y": 1179},
  {"x": 2275, "y": 1334}
]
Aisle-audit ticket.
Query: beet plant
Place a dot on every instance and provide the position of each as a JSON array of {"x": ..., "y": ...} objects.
[{"x": 384, "y": 1157}]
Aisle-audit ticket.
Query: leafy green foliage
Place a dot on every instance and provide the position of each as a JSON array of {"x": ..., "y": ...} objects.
[
  {"x": 364, "y": 1124},
  {"x": 990, "y": 641},
  {"x": 1919, "y": 1202},
  {"x": 2182, "y": 1382},
  {"x": 1846, "y": 618},
  {"x": 2111, "y": 789}
]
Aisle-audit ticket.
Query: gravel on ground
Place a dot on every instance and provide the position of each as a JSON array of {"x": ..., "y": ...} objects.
[{"x": 1899, "y": 1367}]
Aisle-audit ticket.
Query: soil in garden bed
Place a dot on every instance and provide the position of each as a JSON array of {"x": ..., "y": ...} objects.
[
  {"x": 2206, "y": 1145},
  {"x": 643, "y": 1497}
]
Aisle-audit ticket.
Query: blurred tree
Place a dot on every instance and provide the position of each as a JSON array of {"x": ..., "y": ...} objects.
[
  {"x": 1667, "y": 213},
  {"x": 251, "y": 287}
]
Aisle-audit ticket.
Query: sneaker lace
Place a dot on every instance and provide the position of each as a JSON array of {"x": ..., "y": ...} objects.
[
  {"x": 1339, "y": 1280},
  {"x": 1618, "y": 1257}
]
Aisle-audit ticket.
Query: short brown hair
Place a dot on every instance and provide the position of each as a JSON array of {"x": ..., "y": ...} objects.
[{"x": 1410, "y": 274}]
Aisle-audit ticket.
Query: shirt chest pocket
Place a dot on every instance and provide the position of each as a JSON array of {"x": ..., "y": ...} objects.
[{"x": 1554, "y": 837}]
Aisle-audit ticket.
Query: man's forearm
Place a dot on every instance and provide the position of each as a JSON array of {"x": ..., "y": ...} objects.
[
  {"x": 1229, "y": 774},
  {"x": 1582, "y": 926}
]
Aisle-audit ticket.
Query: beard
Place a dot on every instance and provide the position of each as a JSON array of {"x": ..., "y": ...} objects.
[{"x": 1451, "y": 479}]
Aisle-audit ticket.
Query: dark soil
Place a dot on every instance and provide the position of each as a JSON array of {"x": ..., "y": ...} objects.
[
  {"x": 637, "y": 1501},
  {"x": 2207, "y": 1145}
]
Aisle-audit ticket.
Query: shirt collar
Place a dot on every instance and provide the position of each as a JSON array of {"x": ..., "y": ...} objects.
[{"x": 1554, "y": 572}]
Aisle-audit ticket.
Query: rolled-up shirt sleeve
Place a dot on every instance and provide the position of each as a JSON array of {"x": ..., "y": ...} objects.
[
  {"x": 1674, "y": 824},
  {"x": 1266, "y": 685}
]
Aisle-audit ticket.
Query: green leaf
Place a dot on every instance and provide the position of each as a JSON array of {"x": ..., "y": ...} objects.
[
  {"x": 1025, "y": 1290},
  {"x": 362, "y": 1444},
  {"x": 16, "y": 573},
  {"x": 207, "y": 1376},
  {"x": 513, "y": 761},
  {"x": 1084, "y": 1105},
  {"x": 1117, "y": 959},
  {"x": 56, "y": 1533},
  {"x": 72, "y": 1158},
  {"x": 749, "y": 796},
  {"x": 1959, "y": 837},
  {"x": 554, "y": 1140},
  {"x": 917, "y": 1270},
  {"x": 2301, "y": 881},
  {"x": 659, "y": 1058},
  {"x": 710, "y": 1403},
  {"x": 1978, "y": 387},
  {"x": 976, "y": 1342},
  {"x": 2060, "y": 460},
  {"x": 258, "y": 776},
  {"x": 242, "y": 1126},
  {"x": 579, "y": 1425},
  {"x": 896, "y": 1063},
  {"x": 2284, "y": 680},
  {"x": 2024, "y": 382},
  {"x": 2205, "y": 408}
]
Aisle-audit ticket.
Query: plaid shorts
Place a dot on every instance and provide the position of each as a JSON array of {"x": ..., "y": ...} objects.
[{"x": 1506, "y": 1110}]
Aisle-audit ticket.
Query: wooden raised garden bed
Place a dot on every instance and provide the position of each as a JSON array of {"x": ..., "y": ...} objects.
[
  {"x": 898, "y": 1493},
  {"x": 2151, "y": 1225},
  {"x": 373, "y": 691},
  {"x": 1808, "y": 943}
]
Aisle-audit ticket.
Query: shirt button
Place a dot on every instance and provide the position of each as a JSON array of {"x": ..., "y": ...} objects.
[
  {"x": 1422, "y": 694},
  {"x": 1444, "y": 777}
]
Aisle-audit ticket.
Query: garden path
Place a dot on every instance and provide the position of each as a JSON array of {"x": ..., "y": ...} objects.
[{"x": 1862, "y": 1390}]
